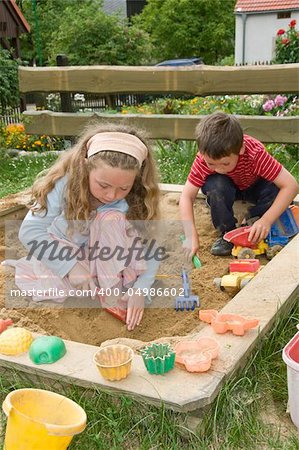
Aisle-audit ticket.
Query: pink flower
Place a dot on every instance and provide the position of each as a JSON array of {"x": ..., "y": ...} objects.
[
  {"x": 285, "y": 41},
  {"x": 292, "y": 24},
  {"x": 268, "y": 105},
  {"x": 280, "y": 100},
  {"x": 280, "y": 32}
]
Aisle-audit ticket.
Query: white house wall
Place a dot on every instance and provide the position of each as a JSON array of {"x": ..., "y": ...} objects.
[{"x": 260, "y": 35}]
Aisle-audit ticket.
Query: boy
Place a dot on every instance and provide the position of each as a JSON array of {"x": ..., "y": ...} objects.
[{"x": 231, "y": 166}]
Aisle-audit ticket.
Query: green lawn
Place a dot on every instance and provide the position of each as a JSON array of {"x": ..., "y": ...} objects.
[{"x": 17, "y": 174}]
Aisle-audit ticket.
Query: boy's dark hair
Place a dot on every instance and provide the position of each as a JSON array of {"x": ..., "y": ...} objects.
[{"x": 219, "y": 135}]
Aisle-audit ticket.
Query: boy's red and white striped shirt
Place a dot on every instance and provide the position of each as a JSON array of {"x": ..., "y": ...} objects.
[{"x": 255, "y": 163}]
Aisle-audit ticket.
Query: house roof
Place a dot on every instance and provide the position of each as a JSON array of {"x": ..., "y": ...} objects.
[
  {"x": 18, "y": 13},
  {"x": 265, "y": 5}
]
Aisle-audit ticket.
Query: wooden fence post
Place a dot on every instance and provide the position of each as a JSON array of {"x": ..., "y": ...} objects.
[{"x": 65, "y": 97}]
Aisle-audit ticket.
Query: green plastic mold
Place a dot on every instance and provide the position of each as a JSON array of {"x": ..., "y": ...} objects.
[
  {"x": 47, "y": 350},
  {"x": 158, "y": 358}
]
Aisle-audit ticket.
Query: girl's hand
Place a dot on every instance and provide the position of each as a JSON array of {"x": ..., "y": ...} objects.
[
  {"x": 259, "y": 230},
  {"x": 135, "y": 310},
  {"x": 80, "y": 278}
]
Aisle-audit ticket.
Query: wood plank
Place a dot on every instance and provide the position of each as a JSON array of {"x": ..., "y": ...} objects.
[
  {"x": 198, "y": 80},
  {"x": 160, "y": 126},
  {"x": 178, "y": 189}
]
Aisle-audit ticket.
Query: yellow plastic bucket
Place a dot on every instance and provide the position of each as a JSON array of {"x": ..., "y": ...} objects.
[{"x": 39, "y": 419}]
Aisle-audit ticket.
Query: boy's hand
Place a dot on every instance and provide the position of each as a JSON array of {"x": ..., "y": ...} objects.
[
  {"x": 190, "y": 247},
  {"x": 259, "y": 230},
  {"x": 80, "y": 278},
  {"x": 135, "y": 310}
]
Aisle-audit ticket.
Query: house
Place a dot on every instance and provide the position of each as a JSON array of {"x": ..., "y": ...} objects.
[
  {"x": 124, "y": 8},
  {"x": 257, "y": 23},
  {"x": 12, "y": 25}
]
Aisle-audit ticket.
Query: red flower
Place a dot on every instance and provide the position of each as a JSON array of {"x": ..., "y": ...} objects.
[
  {"x": 285, "y": 41},
  {"x": 280, "y": 32},
  {"x": 292, "y": 24}
]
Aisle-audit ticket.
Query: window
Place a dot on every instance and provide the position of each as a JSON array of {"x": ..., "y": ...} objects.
[{"x": 284, "y": 15}]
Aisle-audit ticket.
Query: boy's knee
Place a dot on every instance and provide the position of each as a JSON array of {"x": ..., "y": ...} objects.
[
  {"x": 217, "y": 182},
  {"x": 218, "y": 187}
]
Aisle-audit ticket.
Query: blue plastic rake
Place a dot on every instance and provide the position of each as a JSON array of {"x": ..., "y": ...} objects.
[{"x": 187, "y": 301}]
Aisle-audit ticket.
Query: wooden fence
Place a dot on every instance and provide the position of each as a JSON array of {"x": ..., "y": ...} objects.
[{"x": 192, "y": 80}]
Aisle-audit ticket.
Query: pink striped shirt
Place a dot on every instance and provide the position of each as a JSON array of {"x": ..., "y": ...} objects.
[{"x": 255, "y": 163}]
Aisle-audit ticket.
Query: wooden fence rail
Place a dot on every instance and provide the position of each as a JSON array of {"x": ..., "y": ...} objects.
[{"x": 199, "y": 80}]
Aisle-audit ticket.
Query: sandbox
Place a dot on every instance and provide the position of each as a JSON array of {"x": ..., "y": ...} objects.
[{"x": 268, "y": 294}]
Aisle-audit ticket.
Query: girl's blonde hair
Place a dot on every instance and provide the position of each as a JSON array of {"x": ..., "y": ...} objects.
[{"x": 143, "y": 199}]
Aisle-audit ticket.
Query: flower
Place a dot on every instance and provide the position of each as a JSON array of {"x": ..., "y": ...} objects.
[
  {"x": 268, "y": 105},
  {"x": 286, "y": 45},
  {"x": 280, "y": 100},
  {"x": 280, "y": 32},
  {"x": 79, "y": 98}
]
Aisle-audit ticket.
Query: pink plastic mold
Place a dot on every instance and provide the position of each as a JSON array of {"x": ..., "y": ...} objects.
[
  {"x": 197, "y": 356},
  {"x": 221, "y": 323}
]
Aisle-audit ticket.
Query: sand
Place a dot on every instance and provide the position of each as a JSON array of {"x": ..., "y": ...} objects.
[{"x": 93, "y": 325}]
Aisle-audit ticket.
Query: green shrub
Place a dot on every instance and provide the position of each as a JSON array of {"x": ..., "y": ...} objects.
[{"x": 9, "y": 91}]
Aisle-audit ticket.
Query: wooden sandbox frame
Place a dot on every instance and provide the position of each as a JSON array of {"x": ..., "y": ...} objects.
[{"x": 271, "y": 293}]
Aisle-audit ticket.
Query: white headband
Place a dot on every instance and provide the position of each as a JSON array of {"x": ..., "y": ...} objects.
[{"x": 117, "y": 142}]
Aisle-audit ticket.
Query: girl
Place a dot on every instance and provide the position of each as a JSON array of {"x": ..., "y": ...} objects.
[{"x": 86, "y": 201}]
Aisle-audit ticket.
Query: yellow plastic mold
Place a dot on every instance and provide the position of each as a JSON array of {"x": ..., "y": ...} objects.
[
  {"x": 114, "y": 361},
  {"x": 15, "y": 341}
]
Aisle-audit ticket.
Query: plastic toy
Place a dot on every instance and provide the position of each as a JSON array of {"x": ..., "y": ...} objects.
[
  {"x": 4, "y": 324},
  {"x": 46, "y": 350},
  {"x": 14, "y": 341},
  {"x": 197, "y": 356},
  {"x": 114, "y": 362},
  {"x": 241, "y": 272},
  {"x": 158, "y": 358},
  {"x": 186, "y": 301},
  {"x": 295, "y": 211},
  {"x": 284, "y": 228},
  {"x": 119, "y": 311},
  {"x": 242, "y": 247},
  {"x": 41, "y": 420},
  {"x": 221, "y": 323}
]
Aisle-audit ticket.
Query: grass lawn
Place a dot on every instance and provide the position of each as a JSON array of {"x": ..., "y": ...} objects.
[{"x": 17, "y": 174}]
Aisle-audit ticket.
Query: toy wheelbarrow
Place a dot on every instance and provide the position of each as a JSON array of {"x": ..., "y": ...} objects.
[
  {"x": 243, "y": 248},
  {"x": 187, "y": 301}
]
